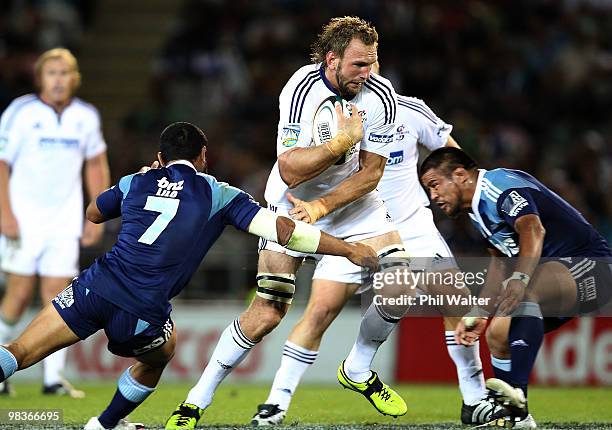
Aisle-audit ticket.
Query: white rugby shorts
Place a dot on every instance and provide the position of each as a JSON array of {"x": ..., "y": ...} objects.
[{"x": 57, "y": 257}]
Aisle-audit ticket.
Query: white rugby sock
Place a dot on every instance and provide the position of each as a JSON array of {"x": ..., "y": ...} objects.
[
  {"x": 469, "y": 369},
  {"x": 232, "y": 348},
  {"x": 53, "y": 366},
  {"x": 375, "y": 328},
  {"x": 294, "y": 362}
]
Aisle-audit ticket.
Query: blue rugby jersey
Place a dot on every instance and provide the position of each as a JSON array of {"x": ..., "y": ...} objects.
[
  {"x": 170, "y": 218},
  {"x": 503, "y": 195}
]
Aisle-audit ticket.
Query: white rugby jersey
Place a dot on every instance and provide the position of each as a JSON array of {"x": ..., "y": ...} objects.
[
  {"x": 298, "y": 101},
  {"x": 399, "y": 187},
  {"x": 45, "y": 152}
]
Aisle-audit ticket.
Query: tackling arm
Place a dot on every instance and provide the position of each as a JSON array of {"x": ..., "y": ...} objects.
[{"x": 299, "y": 236}]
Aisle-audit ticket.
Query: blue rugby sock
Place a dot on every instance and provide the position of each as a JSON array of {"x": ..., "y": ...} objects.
[
  {"x": 8, "y": 364},
  {"x": 525, "y": 338},
  {"x": 501, "y": 368},
  {"x": 130, "y": 393}
]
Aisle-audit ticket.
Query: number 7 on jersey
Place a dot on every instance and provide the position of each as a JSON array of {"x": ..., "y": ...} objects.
[{"x": 167, "y": 209}]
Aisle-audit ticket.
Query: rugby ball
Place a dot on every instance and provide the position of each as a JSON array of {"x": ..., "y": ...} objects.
[{"x": 325, "y": 121}]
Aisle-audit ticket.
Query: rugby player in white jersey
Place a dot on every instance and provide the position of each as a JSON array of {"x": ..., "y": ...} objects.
[
  {"x": 407, "y": 204},
  {"x": 46, "y": 141},
  {"x": 339, "y": 178}
]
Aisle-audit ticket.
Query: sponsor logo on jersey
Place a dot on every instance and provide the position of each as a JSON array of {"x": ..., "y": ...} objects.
[
  {"x": 380, "y": 138},
  {"x": 443, "y": 129},
  {"x": 290, "y": 135},
  {"x": 399, "y": 133},
  {"x": 395, "y": 157},
  {"x": 515, "y": 202},
  {"x": 167, "y": 188},
  {"x": 52, "y": 142}
]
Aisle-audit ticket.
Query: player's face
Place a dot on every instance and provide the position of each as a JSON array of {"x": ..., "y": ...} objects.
[
  {"x": 354, "y": 67},
  {"x": 57, "y": 81},
  {"x": 443, "y": 191}
]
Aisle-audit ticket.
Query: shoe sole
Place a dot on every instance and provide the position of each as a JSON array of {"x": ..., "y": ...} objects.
[
  {"x": 514, "y": 396},
  {"x": 352, "y": 388}
]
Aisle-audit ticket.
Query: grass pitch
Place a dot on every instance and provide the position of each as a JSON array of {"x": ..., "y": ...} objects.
[{"x": 322, "y": 407}]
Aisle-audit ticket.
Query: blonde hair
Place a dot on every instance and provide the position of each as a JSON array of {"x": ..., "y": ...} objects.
[
  {"x": 338, "y": 33},
  {"x": 58, "y": 54}
]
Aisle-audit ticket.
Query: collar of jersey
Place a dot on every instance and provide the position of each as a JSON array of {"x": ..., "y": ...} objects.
[
  {"x": 185, "y": 162},
  {"x": 329, "y": 85},
  {"x": 476, "y": 201}
]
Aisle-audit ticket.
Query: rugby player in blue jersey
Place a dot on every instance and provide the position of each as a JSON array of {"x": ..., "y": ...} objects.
[
  {"x": 562, "y": 266},
  {"x": 171, "y": 216}
]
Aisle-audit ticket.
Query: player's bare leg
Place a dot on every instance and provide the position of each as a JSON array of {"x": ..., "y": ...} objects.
[
  {"x": 46, "y": 334},
  {"x": 276, "y": 281},
  {"x": 53, "y": 380},
  {"x": 134, "y": 386},
  {"x": 17, "y": 297}
]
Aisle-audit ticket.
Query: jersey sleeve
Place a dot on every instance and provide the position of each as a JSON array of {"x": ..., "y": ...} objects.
[
  {"x": 432, "y": 132},
  {"x": 241, "y": 211},
  {"x": 235, "y": 206},
  {"x": 514, "y": 203},
  {"x": 109, "y": 202},
  {"x": 294, "y": 127},
  {"x": 94, "y": 143},
  {"x": 9, "y": 135},
  {"x": 379, "y": 126}
]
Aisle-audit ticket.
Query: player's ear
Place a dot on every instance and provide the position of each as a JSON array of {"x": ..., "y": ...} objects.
[
  {"x": 161, "y": 161},
  {"x": 460, "y": 176},
  {"x": 331, "y": 60}
]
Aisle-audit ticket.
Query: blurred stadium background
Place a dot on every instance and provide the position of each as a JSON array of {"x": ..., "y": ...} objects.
[{"x": 527, "y": 84}]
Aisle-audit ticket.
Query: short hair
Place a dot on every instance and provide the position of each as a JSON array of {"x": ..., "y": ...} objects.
[
  {"x": 181, "y": 141},
  {"x": 338, "y": 33},
  {"x": 58, "y": 54},
  {"x": 446, "y": 160}
]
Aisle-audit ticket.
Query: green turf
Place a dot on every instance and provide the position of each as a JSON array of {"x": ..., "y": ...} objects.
[{"x": 328, "y": 406}]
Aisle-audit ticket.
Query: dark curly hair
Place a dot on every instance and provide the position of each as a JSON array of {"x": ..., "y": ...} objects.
[{"x": 338, "y": 33}]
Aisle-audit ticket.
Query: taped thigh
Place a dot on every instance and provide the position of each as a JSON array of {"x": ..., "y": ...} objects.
[{"x": 279, "y": 287}]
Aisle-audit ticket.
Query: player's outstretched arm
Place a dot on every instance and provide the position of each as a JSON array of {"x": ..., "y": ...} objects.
[
  {"x": 301, "y": 164},
  {"x": 299, "y": 236},
  {"x": 371, "y": 169},
  {"x": 93, "y": 214}
]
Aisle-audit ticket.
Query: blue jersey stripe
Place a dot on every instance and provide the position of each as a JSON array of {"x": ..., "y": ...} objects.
[
  {"x": 124, "y": 184},
  {"x": 222, "y": 194},
  {"x": 388, "y": 92},
  {"x": 382, "y": 98},
  {"x": 299, "y": 116},
  {"x": 298, "y": 92}
]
